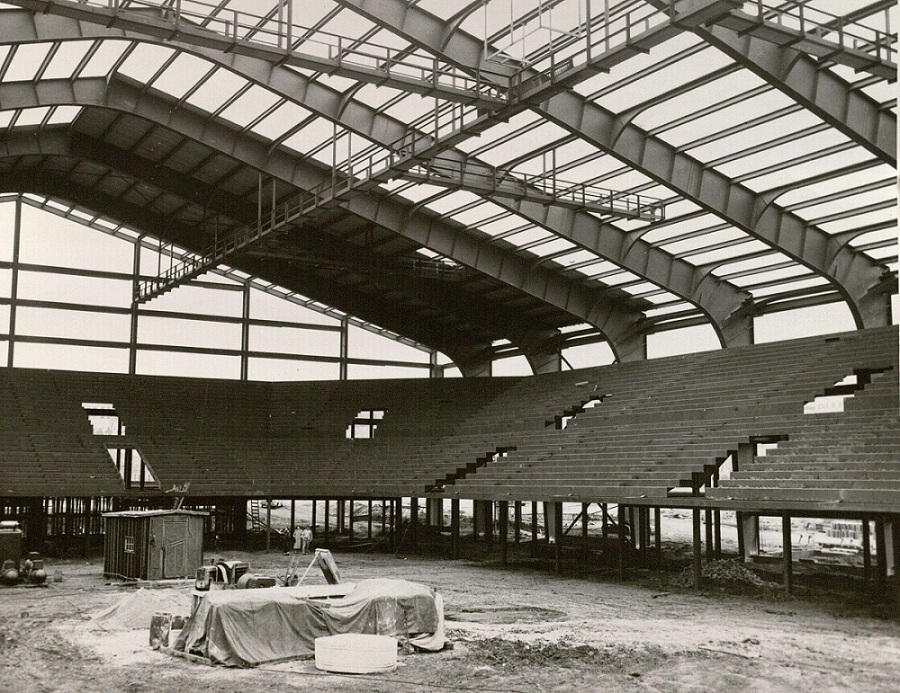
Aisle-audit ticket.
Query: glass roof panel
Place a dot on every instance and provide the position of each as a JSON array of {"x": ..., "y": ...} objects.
[
  {"x": 216, "y": 90},
  {"x": 64, "y": 114},
  {"x": 528, "y": 236},
  {"x": 313, "y": 134},
  {"x": 806, "y": 169},
  {"x": 144, "y": 61},
  {"x": 453, "y": 201},
  {"x": 250, "y": 105},
  {"x": 103, "y": 59},
  {"x": 32, "y": 116},
  {"x": 552, "y": 246},
  {"x": 282, "y": 119},
  {"x": 65, "y": 60},
  {"x": 26, "y": 61},
  {"x": 182, "y": 74}
]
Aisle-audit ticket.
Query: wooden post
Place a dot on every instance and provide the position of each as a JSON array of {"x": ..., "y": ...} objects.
[
  {"x": 881, "y": 556},
  {"x": 584, "y": 531},
  {"x": 698, "y": 566},
  {"x": 534, "y": 528},
  {"x": 454, "y": 528},
  {"x": 268, "y": 523},
  {"x": 560, "y": 535},
  {"x": 517, "y": 521},
  {"x": 710, "y": 541},
  {"x": 369, "y": 521},
  {"x": 504, "y": 531},
  {"x": 657, "y": 537},
  {"x": 327, "y": 518},
  {"x": 622, "y": 541},
  {"x": 867, "y": 550},
  {"x": 414, "y": 523},
  {"x": 313, "y": 514},
  {"x": 293, "y": 515},
  {"x": 788, "y": 554},
  {"x": 351, "y": 518}
]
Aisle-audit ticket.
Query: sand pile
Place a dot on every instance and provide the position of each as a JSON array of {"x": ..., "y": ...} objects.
[{"x": 134, "y": 611}]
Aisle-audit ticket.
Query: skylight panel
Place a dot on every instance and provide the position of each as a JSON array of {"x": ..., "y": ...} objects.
[
  {"x": 144, "y": 61},
  {"x": 281, "y": 120},
  {"x": 522, "y": 144},
  {"x": 756, "y": 135},
  {"x": 751, "y": 264},
  {"x": 804, "y": 169},
  {"x": 64, "y": 114},
  {"x": 621, "y": 277},
  {"x": 528, "y": 236},
  {"x": 788, "y": 287},
  {"x": 578, "y": 257},
  {"x": 786, "y": 151},
  {"x": 6, "y": 118},
  {"x": 501, "y": 226},
  {"x": 103, "y": 59},
  {"x": 859, "y": 220},
  {"x": 719, "y": 254},
  {"x": 340, "y": 84},
  {"x": 66, "y": 59},
  {"x": 705, "y": 239},
  {"x": 250, "y": 105},
  {"x": 474, "y": 215},
  {"x": 551, "y": 247},
  {"x": 849, "y": 203},
  {"x": 348, "y": 24},
  {"x": 183, "y": 74},
  {"x": 453, "y": 201},
  {"x": 771, "y": 275},
  {"x": 313, "y": 135},
  {"x": 32, "y": 116},
  {"x": 26, "y": 61},
  {"x": 375, "y": 96},
  {"x": 420, "y": 192},
  {"x": 410, "y": 109}
]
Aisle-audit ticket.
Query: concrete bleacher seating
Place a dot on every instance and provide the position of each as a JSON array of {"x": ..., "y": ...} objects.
[{"x": 657, "y": 426}]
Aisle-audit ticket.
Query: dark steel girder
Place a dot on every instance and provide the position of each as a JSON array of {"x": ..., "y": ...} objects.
[
  {"x": 97, "y": 22},
  {"x": 121, "y": 95},
  {"x": 468, "y": 352},
  {"x": 858, "y": 278},
  {"x": 465, "y": 308},
  {"x": 717, "y": 299},
  {"x": 620, "y": 326},
  {"x": 849, "y": 111}
]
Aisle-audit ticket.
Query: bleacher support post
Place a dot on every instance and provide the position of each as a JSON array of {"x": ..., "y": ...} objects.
[
  {"x": 560, "y": 536},
  {"x": 584, "y": 531},
  {"x": 551, "y": 528},
  {"x": 880, "y": 554},
  {"x": 866, "y": 549},
  {"x": 622, "y": 542},
  {"x": 748, "y": 531},
  {"x": 504, "y": 531},
  {"x": 698, "y": 565},
  {"x": 657, "y": 538},
  {"x": 268, "y": 523},
  {"x": 414, "y": 523},
  {"x": 454, "y": 528},
  {"x": 369, "y": 522},
  {"x": 434, "y": 512},
  {"x": 517, "y": 521},
  {"x": 788, "y": 554},
  {"x": 293, "y": 515},
  {"x": 708, "y": 516},
  {"x": 534, "y": 528},
  {"x": 327, "y": 518},
  {"x": 350, "y": 519},
  {"x": 313, "y": 514}
]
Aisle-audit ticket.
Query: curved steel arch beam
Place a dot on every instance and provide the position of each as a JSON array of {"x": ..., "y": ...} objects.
[
  {"x": 615, "y": 320},
  {"x": 858, "y": 278},
  {"x": 819, "y": 90},
  {"x": 725, "y": 305},
  {"x": 468, "y": 355}
]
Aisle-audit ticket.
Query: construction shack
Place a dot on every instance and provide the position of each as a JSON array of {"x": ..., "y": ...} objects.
[{"x": 153, "y": 544}]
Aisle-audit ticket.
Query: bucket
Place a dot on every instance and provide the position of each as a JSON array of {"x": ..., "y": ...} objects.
[
  {"x": 356, "y": 653},
  {"x": 160, "y": 625}
]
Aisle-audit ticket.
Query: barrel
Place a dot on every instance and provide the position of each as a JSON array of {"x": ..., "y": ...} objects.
[{"x": 160, "y": 625}]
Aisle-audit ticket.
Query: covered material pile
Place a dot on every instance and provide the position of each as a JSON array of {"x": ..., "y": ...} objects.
[{"x": 250, "y": 627}]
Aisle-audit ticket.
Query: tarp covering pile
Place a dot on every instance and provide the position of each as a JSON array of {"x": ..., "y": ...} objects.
[{"x": 250, "y": 627}]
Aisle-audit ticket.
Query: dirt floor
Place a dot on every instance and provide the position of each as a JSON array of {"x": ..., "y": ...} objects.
[{"x": 514, "y": 628}]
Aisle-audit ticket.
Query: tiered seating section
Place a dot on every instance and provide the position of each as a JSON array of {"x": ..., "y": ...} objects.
[{"x": 661, "y": 427}]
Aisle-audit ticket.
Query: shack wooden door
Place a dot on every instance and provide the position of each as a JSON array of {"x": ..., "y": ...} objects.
[{"x": 177, "y": 546}]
